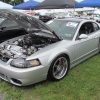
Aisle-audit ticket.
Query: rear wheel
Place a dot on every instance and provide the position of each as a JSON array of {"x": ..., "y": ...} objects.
[{"x": 58, "y": 68}]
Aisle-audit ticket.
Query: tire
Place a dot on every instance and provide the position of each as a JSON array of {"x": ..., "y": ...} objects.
[
  {"x": 97, "y": 21},
  {"x": 59, "y": 68},
  {"x": 99, "y": 45}
]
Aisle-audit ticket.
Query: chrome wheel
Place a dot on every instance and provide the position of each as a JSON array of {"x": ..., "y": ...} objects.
[{"x": 60, "y": 68}]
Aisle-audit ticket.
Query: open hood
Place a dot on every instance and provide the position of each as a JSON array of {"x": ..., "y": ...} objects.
[{"x": 28, "y": 22}]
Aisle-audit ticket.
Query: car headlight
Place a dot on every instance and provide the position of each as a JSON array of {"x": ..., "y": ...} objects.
[{"x": 22, "y": 63}]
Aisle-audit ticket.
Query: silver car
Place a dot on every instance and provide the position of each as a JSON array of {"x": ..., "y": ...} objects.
[{"x": 40, "y": 53}]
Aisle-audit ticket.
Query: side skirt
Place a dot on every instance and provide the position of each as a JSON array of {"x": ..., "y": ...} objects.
[{"x": 83, "y": 58}]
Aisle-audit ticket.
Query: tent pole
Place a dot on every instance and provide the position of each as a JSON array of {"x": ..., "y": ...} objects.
[
  {"x": 93, "y": 13},
  {"x": 73, "y": 11},
  {"x": 65, "y": 10},
  {"x": 53, "y": 11},
  {"x": 30, "y": 11}
]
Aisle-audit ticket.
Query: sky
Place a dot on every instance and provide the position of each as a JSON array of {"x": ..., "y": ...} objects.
[
  {"x": 43, "y": 0},
  {"x": 35, "y": 0}
]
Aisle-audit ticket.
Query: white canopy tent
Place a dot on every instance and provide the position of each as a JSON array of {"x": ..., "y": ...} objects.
[
  {"x": 43, "y": 11},
  {"x": 5, "y": 5}
]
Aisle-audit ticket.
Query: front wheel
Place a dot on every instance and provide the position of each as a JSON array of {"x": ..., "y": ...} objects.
[{"x": 59, "y": 68}]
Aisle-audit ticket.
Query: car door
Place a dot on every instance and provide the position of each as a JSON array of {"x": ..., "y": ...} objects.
[{"x": 88, "y": 46}]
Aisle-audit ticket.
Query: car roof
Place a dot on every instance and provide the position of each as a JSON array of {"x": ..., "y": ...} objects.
[{"x": 73, "y": 19}]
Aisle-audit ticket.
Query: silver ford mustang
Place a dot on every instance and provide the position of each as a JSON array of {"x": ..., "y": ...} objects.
[{"x": 31, "y": 51}]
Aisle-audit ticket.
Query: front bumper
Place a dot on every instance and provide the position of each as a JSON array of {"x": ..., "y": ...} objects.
[{"x": 22, "y": 76}]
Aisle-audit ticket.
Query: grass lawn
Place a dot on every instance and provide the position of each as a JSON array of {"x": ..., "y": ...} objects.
[{"x": 81, "y": 83}]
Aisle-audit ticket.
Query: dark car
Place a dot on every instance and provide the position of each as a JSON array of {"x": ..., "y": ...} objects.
[
  {"x": 9, "y": 29},
  {"x": 46, "y": 17}
]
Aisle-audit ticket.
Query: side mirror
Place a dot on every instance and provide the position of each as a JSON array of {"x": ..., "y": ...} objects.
[{"x": 83, "y": 36}]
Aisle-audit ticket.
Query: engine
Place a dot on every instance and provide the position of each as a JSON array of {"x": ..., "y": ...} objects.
[{"x": 24, "y": 46}]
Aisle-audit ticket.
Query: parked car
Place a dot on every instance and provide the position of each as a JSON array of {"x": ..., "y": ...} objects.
[
  {"x": 95, "y": 17},
  {"x": 46, "y": 17},
  {"x": 44, "y": 52},
  {"x": 65, "y": 15}
]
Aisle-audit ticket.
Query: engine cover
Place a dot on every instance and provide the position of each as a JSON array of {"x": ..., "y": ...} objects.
[{"x": 17, "y": 50}]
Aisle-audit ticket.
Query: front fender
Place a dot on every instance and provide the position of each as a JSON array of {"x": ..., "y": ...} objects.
[{"x": 57, "y": 53}]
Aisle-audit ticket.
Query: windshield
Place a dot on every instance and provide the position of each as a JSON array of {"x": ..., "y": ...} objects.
[
  {"x": 49, "y": 14},
  {"x": 96, "y": 15},
  {"x": 2, "y": 19},
  {"x": 60, "y": 14},
  {"x": 63, "y": 28}
]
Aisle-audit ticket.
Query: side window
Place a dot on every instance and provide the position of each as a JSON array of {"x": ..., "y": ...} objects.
[
  {"x": 96, "y": 27},
  {"x": 9, "y": 23},
  {"x": 86, "y": 28}
]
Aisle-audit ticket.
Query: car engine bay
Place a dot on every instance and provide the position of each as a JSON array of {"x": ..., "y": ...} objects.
[{"x": 24, "y": 46}]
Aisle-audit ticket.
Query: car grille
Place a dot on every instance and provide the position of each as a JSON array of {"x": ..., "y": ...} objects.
[{"x": 4, "y": 58}]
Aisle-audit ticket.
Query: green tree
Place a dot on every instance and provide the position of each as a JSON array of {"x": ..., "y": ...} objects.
[
  {"x": 16, "y": 2},
  {"x": 6, "y": 1},
  {"x": 13, "y": 2}
]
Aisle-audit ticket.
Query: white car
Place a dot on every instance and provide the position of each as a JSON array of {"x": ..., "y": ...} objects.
[
  {"x": 95, "y": 17},
  {"x": 64, "y": 15}
]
